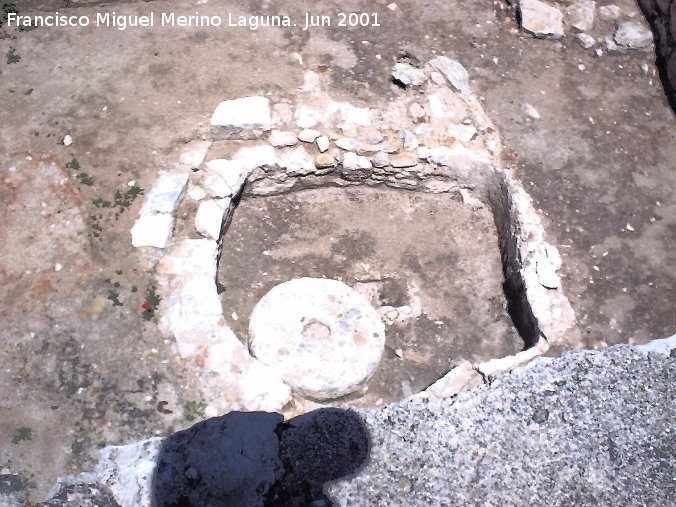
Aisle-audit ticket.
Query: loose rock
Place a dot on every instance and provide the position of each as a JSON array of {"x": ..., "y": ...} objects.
[
  {"x": 530, "y": 111},
  {"x": 586, "y": 40},
  {"x": 453, "y": 71},
  {"x": 406, "y": 75},
  {"x": 610, "y": 12},
  {"x": 541, "y": 19},
  {"x": 581, "y": 15},
  {"x": 633, "y": 35}
]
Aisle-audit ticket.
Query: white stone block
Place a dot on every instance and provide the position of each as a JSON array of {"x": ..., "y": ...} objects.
[
  {"x": 256, "y": 156},
  {"x": 214, "y": 185},
  {"x": 232, "y": 172},
  {"x": 190, "y": 257},
  {"x": 194, "y": 152},
  {"x": 128, "y": 471},
  {"x": 460, "y": 378},
  {"x": 352, "y": 161},
  {"x": 281, "y": 138},
  {"x": 165, "y": 194},
  {"x": 634, "y": 34},
  {"x": 308, "y": 135},
  {"x": 297, "y": 162},
  {"x": 209, "y": 217},
  {"x": 152, "y": 230},
  {"x": 245, "y": 118},
  {"x": 323, "y": 144},
  {"x": 463, "y": 133},
  {"x": 541, "y": 19}
]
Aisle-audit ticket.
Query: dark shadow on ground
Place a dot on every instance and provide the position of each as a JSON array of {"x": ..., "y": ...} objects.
[
  {"x": 257, "y": 459},
  {"x": 660, "y": 14}
]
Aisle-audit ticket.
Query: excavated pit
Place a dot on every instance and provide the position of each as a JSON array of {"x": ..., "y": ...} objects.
[{"x": 430, "y": 263}]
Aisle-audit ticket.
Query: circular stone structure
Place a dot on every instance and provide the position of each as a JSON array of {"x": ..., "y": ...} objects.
[{"x": 323, "y": 337}]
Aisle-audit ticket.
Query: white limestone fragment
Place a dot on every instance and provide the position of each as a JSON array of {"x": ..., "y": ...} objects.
[
  {"x": 460, "y": 378},
  {"x": 128, "y": 471},
  {"x": 165, "y": 194},
  {"x": 323, "y": 337},
  {"x": 463, "y": 133},
  {"x": 190, "y": 310},
  {"x": 633, "y": 35},
  {"x": 610, "y": 12},
  {"x": 581, "y": 15},
  {"x": 353, "y": 162},
  {"x": 256, "y": 156},
  {"x": 152, "y": 230},
  {"x": 297, "y": 162},
  {"x": 255, "y": 385},
  {"x": 214, "y": 185},
  {"x": 530, "y": 111},
  {"x": 245, "y": 118},
  {"x": 196, "y": 193},
  {"x": 541, "y": 19},
  {"x": 586, "y": 40},
  {"x": 311, "y": 82},
  {"x": 282, "y": 138},
  {"x": 309, "y": 135},
  {"x": 445, "y": 105},
  {"x": 346, "y": 143},
  {"x": 233, "y": 172},
  {"x": 193, "y": 154},
  {"x": 407, "y": 75},
  {"x": 209, "y": 217},
  {"x": 453, "y": 71},
  {"x": 380, "y": 159},
  {"x": 67, "y": 140},
  {"x": 323, "y": 143}
]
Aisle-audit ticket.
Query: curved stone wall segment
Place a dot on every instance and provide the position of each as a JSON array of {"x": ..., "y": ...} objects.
[{"x": 436, "y": 139}]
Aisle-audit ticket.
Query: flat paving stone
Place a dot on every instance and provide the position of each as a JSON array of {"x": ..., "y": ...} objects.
[{"x": 323, "y": 337}]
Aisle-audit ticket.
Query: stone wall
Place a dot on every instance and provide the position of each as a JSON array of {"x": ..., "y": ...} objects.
[{"x": 662, "y": 17}]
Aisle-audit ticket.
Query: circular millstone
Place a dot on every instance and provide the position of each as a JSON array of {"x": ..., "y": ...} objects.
[{"x": 322, "y": 336}]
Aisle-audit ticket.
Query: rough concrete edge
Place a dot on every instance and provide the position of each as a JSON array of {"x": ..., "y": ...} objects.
[{"x": 121, "y": 464}]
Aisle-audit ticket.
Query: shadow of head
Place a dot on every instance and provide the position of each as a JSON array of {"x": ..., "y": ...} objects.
[{"x": 258, "y": 459}]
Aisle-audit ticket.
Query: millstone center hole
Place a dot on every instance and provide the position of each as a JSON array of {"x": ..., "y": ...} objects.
[
  {"x": 428, "y": 263},
  {"x": 316, "y": 331}
]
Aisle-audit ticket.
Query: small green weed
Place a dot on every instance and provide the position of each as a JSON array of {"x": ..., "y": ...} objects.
[
  {"x": 21, "y": 434},
  {"x": 194, "y": 410},
  {"x": 151, "y": 303}
]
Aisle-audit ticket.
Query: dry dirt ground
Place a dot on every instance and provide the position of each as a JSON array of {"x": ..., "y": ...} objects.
[{"x": 82, "y": 368}]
